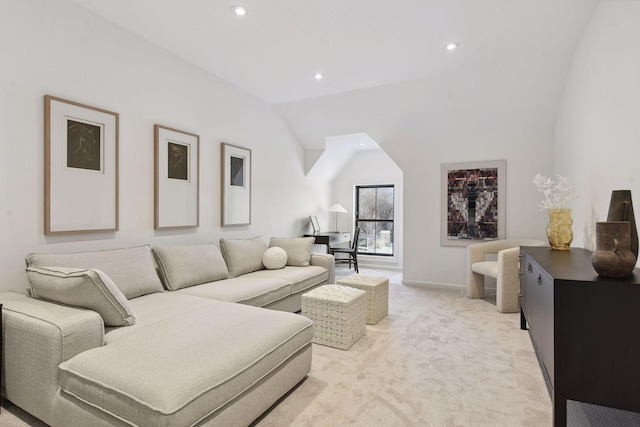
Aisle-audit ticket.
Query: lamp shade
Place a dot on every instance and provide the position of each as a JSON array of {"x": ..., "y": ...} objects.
[{"x": 337, "y": 208}]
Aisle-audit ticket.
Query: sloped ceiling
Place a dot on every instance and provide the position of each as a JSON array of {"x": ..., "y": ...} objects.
[{"x": 386, "y": 69}]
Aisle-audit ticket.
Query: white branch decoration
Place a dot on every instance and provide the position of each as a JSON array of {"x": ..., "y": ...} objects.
[{"x": 557, "y": 194}]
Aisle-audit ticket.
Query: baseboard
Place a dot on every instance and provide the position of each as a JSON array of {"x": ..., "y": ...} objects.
[
  {"x": 379, "y": 266},
  {"x": 446, "y": 286},
  {"x": 434, "y": 285}
]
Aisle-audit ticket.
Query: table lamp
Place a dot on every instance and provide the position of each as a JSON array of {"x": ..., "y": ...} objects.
[{"x": 335, "y": 209}]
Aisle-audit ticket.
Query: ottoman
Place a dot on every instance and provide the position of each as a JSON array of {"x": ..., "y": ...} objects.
[
  {"x": 338, "y": 314},
  {"x": 377, "y": 289}
]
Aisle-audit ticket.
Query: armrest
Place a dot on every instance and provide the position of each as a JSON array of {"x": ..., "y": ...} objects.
[
  {"x": 327, "y": 261},
  {"x": 38, "y": 336},
  {"x": 508, "y": 261},
  {"x": 477, "y": 251},
  {"x": 508, "y": 281}
]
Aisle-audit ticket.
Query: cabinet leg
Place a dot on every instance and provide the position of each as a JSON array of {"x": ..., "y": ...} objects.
[
  {"x": 523, "y": 320},
  {"x": 559, "y": 412}
]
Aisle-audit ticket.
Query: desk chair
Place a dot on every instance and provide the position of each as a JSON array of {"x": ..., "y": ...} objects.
[{"x": 352, "y": 252}]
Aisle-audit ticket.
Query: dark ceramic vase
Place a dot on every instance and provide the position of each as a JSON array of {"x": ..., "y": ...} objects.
[
  {"x": 613, "y": 256},
  {"x": 621, "y": 209}
]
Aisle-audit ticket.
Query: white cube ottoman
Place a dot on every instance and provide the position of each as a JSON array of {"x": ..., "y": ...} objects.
[
  {"x": 338, "y": 314},
  {"x": 377, "y": 289}
]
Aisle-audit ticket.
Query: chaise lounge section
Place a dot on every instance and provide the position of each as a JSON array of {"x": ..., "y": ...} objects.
[{"x": 190, "y": 354}]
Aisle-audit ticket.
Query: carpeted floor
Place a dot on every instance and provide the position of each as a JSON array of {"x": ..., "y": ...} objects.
[{"x": 438, "y": 359}]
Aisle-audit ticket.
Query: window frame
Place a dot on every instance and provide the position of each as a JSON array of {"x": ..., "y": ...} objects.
[{"x": 358, "y": 220}]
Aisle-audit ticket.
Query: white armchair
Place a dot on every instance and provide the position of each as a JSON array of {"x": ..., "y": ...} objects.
[{"x": 505, "y": 270}]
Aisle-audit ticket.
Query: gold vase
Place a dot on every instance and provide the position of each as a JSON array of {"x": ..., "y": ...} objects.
[{"x": 559, "y": 230}]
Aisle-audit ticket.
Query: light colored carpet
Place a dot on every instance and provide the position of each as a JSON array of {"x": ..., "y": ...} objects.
[
  {"x": 12, "y": 416},
  {"x": 438, "y": 359}
]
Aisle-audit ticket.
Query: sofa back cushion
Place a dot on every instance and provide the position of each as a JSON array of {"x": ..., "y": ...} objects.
[
  {"x": 85, "y": 288},
  {"x": 243, "y": 255},
  {"x": 131, "y": 269},
  {"x": 298, "y": 249},
  {"x": 184, "y": 266}
]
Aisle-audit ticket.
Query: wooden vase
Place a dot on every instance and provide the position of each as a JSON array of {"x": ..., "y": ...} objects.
[
  {"x": 621, "y": 209},
  {"x": 613, "y": 256}
]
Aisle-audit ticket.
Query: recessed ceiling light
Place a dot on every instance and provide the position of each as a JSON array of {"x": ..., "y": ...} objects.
[
  {"x": 362, "y": 144},
  {"x": 452, "y": 46},
  {"x": 318, "y": 76},
  {"x": 239, "y": 10}
]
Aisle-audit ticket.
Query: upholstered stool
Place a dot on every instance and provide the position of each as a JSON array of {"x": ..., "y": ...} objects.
[
  {"x": 377, "y": 289},
  {"x": 338, "y": 314}
]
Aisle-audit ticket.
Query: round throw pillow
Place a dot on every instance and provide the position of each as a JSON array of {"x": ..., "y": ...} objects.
[{"x": 274, "y": 258}]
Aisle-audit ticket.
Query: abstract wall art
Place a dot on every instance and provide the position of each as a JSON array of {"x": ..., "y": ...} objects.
[
  {"x": 177, "y": 182},
  {"x": 236, "y": 185},
  {"x": 81, "y": 168},
  {"x": 473, "y": 202}
]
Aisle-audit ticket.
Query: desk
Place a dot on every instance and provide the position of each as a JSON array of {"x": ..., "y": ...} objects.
[{"x": 330, "y": 238}]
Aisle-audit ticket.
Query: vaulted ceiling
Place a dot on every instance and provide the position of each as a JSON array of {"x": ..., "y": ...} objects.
[{"x": 377, "y": 47}]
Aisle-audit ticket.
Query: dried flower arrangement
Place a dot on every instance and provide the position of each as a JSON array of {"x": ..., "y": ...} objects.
[{"x": 557, "y": 194}]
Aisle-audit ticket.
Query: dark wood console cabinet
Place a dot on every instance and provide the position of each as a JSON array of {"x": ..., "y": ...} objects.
[{"x": 585, "y": 329}]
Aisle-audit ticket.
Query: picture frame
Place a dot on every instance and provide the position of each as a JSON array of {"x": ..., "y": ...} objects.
[
  {"x": 236, "y": 185},
  {"x": 177, "y": 178},
  {"x": 80, "y": 168},
  {"x": 314, "y": 224},
  {"x": 473, "y": 202}
]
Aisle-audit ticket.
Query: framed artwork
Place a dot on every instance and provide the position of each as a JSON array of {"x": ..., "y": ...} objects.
[
  {"x": 80, "y": 168},
  {"x": 236, "y": 185},
  {"x": 314, "y": 224},
  {"x": 177, "y": 178},
  {"x": 473, "y": 202}
]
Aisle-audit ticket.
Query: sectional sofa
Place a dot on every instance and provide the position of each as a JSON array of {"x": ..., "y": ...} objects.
[{"x": 163, "y": 336}]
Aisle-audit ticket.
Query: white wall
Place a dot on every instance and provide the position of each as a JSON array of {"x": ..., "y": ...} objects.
[
  {"x": 526, "y": 152},
  {"x": 371, "y": 167},
  {"x": 54, "y": 47},
  {"x": 492, "y": 112},
  {"x": 598, "y": 129}
]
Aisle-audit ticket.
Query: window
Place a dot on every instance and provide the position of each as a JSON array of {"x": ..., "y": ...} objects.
[{"x": 374, "y": 216}]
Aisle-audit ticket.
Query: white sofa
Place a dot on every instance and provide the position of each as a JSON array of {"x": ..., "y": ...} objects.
[
  {"x": 504, "y": 267},
  {"x": 102, "y": 342}
]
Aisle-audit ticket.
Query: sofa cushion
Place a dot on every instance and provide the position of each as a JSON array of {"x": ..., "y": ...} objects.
[
  {"x": 300, "y": 278},
  {"x": 298, "y": 249},
  {"x": 85, "y": 288},
  {"x": 131, "y": 269},
  {"x": 246, "y": 290},
  {"x": 136, "y": 377},
  {"x": 153, "y": 308},
  {"x": 243, "y": 255},
  {"x": 184, "y": 266},
  {"x": 486, "y": 268},
  {"x": 274, "y": 258}
]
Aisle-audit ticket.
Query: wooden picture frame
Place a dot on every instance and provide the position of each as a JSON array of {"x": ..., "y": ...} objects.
[
  {"x": 80, "y": 168},
  {"x": 177, "y": 178},
  {"x": 473, "y": 202},
  {"x": 236, "y": 185}
]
